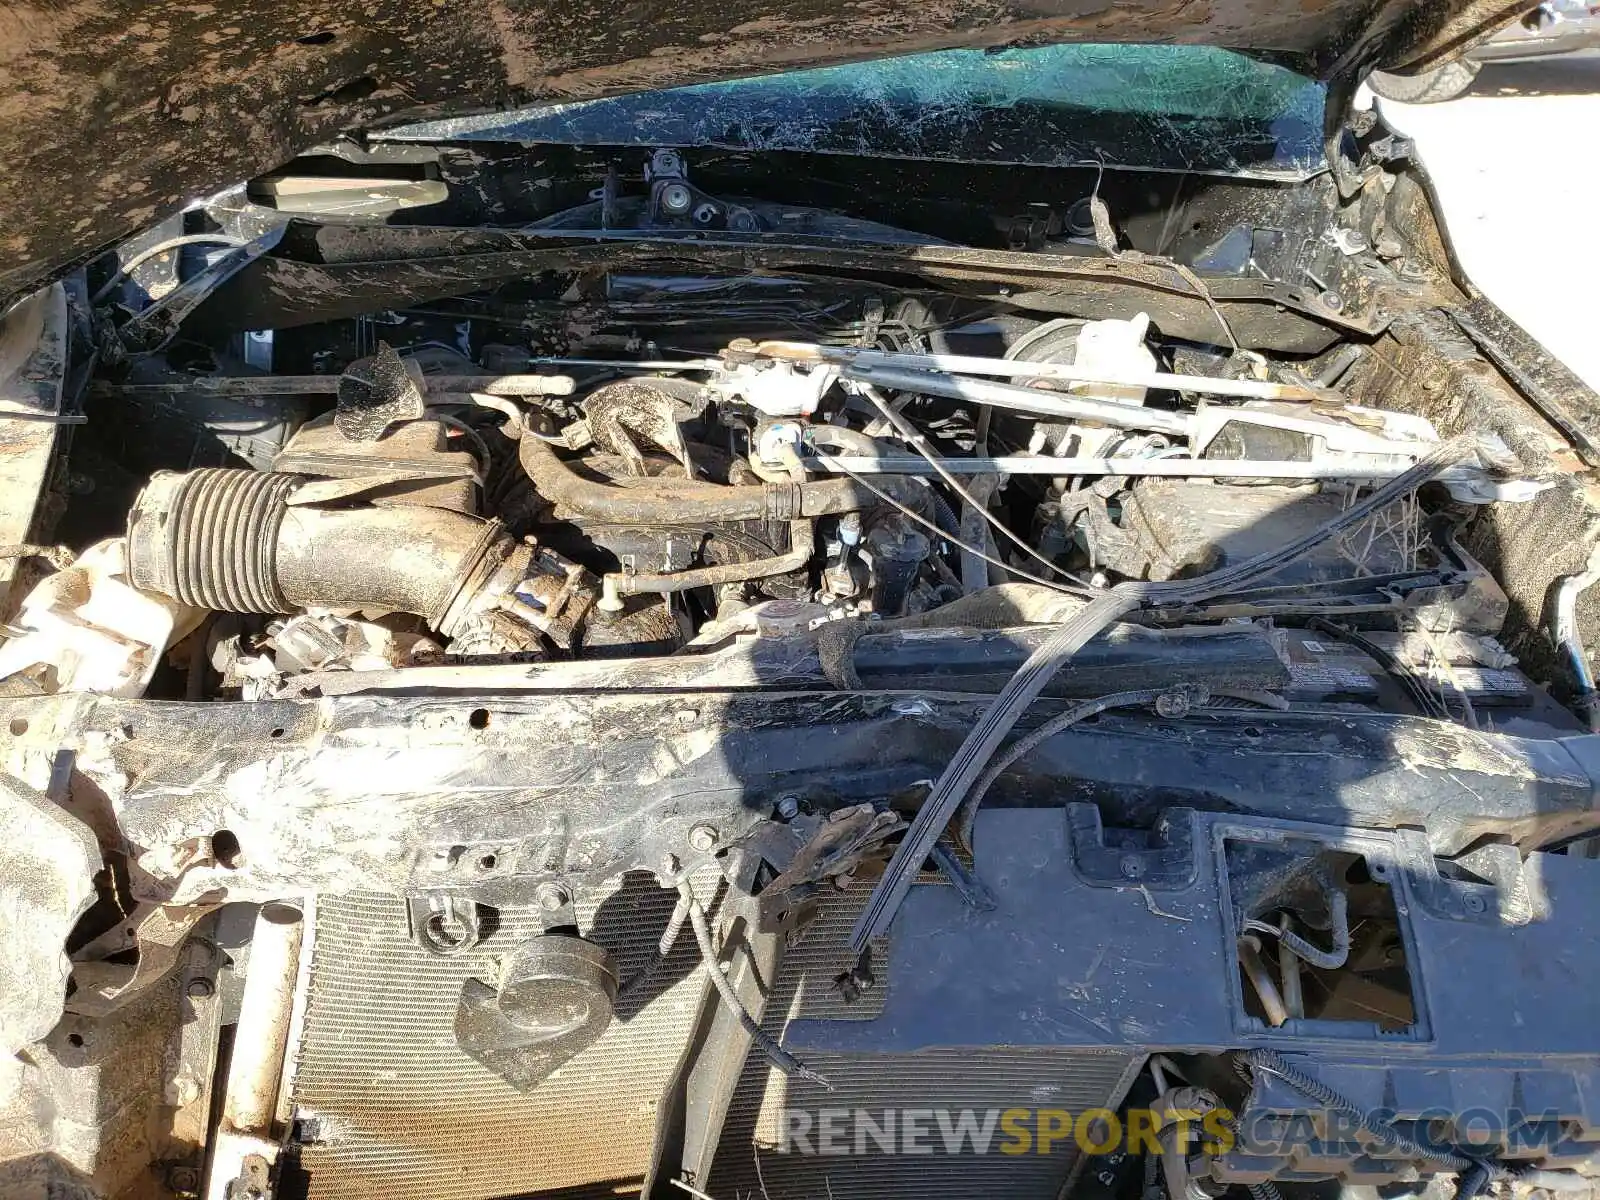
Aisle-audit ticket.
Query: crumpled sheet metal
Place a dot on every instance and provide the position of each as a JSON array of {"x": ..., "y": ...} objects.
[
  {"x": 47, "y": 863},
  {"x": 114, "y": 113}
]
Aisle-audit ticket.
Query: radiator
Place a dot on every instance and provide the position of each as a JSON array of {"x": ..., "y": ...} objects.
[
  {"x": 396, "y": 1111},
  {"x": 389, "y": 1107},
  {"x": 751, "y": 1158}
]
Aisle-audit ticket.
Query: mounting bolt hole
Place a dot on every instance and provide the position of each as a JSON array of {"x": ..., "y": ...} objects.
[
  {"x": 75, "y": 1039},
  {"x": 277, "y": 733},
  {"x": 225, "y": 849},
  {"x": 488, "y": 862},
  {"x": 479, "y": 718}
]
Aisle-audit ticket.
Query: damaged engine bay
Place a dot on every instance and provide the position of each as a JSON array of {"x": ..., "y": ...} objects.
[{"x": 549, "y": 670}]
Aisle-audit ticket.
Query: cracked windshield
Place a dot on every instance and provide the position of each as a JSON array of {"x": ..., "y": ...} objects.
[{"x": 1188, "y": 108}]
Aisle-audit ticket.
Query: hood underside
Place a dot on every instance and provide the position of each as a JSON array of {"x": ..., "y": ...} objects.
[{"x": 116, "y": 112}]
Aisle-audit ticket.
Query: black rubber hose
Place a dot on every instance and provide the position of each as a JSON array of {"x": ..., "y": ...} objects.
[
  {"x": 1336, "y": 955},
  {"x": 944, "y": 516},
  {"x": 802, "y": 540},
  {"x": 669, "y": 938},
  {"x": 652, "y": 501},
  {"x": 1043, "y": 664},
  {"x": 853, "y": 442},
  {"x": 768, "y": 1045}
]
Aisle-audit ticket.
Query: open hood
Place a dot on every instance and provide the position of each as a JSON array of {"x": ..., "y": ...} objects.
[{"x": 116, "y": 112}]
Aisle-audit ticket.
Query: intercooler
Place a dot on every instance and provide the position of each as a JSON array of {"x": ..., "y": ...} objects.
[{"x": 388, "y": 1106}]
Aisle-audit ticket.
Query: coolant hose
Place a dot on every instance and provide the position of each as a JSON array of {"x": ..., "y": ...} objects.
[
  {"x": 1564, "y": 631},
  {"x": 652, "y": 501},
  {"x": 1338, "y": 953},
  {"x": 854, "y": 442},
  {"x": 1255, "y": 970},
  {"x": 802, "y": 542},
  {"x": 231, "y": 541}
]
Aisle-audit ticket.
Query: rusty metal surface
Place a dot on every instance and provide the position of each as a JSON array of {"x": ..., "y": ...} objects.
[
  {"x": 355, "y": 266},
  {"x": 33, "y": 353},
  {"x": 115, "y": 112},
  {"x": 404, "y": 1113}
]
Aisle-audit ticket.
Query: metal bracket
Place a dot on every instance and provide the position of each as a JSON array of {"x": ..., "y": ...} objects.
[
  {"x": 444, "y": 924},
  {"x": 1161, "y": 858},
  {"x": 157, "y": 931}
]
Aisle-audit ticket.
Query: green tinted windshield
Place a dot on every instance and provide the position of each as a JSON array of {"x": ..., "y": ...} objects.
[{"x": 1165, "y": 107}]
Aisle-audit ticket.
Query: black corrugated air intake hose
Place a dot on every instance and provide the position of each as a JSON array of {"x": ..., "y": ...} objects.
[{"x": 231, "y": 541}]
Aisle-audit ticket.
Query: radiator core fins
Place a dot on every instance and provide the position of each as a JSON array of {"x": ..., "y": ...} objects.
[{"x": 402, "y": 1114}]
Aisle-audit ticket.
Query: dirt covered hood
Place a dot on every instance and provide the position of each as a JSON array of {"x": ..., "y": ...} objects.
[{"x": 115, "y": 112}]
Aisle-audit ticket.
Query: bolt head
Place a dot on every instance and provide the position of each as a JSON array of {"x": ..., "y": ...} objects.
[
  {"x": 1132, "y": 866},
  {"x": 551, "y": 896},
  {"x": 788, "y": 807},
  {"x": 1172, "y": 704},
  {"x": 199, "y": 989},
  {"x": 702, "y": 838},
  {"x": 675, "y": 198}
]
